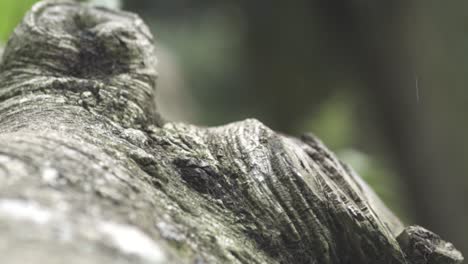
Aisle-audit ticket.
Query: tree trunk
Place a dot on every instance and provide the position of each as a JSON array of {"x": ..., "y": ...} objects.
[{"x": 91, "y": 174}]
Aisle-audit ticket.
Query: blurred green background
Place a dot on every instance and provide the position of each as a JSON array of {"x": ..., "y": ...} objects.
[{"x": 382, "y": 83}]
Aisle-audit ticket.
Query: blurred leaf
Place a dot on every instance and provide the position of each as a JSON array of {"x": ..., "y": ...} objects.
[
  {"x": 11, "y": 13},
  {"x": 334, "y": 123}
]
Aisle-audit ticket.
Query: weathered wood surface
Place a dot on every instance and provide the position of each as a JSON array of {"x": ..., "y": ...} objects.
[{"x": 89, "y": 172}]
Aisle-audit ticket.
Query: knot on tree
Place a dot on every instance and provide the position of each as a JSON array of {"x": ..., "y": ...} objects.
[
  {"x": 78, "y": 137},
  {"x": 97, "y": 58}
]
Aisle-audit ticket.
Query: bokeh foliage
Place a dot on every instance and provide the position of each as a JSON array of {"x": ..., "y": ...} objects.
[{"x": 11, "y": 13}]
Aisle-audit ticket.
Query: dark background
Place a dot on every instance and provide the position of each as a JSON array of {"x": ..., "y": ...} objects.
[{"x": 382, "y": 83}]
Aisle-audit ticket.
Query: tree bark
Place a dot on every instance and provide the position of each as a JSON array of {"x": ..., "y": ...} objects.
[{"x": 91, "y": 174}]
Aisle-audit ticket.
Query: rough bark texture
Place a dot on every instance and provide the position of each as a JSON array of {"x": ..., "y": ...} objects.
[{"x": 91, "y": 174}]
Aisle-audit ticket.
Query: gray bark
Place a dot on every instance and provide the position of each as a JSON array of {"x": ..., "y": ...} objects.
[{"x": 91, "y": 174}]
